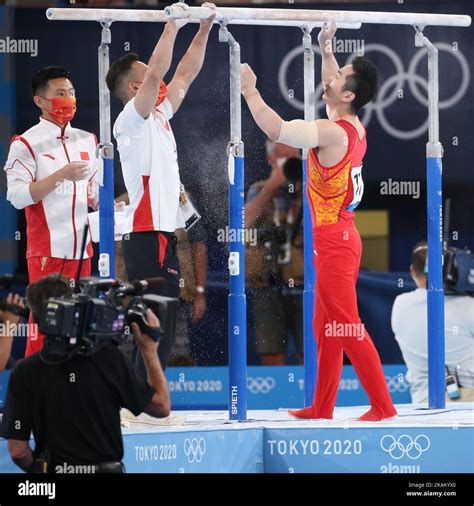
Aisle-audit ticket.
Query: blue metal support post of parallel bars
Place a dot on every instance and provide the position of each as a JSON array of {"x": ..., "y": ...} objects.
[
  {"x": 106, "y": 152},
  {"x": 434, "y": 175},
  {"x": 309, "y": 270},
  {"x": 237, "y": 308}
]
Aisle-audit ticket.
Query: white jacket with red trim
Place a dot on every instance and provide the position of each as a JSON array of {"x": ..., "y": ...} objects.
[
  {"x": 55, "y": 225},
  {"x": 150, "y": 169}
]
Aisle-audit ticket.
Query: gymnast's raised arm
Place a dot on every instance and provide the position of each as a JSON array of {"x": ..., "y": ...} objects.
[
  {"x": 329, "y": 65},
  {"x": 191, "y": 63},
  {"x": 158, "y": 65},
  {"x": 296, "y": 133}
]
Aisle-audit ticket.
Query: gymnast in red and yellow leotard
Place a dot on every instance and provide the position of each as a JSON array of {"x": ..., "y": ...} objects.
[
  {"x": 336, "y": 147},
  {"x": 334, "y": 192}
]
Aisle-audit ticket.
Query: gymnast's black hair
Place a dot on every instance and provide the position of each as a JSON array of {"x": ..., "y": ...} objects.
[
  {"x": 39, "y": 83},
  {"x": 117, "y": 72},
  {"x": 363, "y": 83}
]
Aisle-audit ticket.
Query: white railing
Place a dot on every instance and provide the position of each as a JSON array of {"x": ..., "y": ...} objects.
[{"x": 257, "y": 16}]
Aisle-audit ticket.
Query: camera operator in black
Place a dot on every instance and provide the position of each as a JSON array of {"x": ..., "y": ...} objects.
[{"x": 73, "y": 407}]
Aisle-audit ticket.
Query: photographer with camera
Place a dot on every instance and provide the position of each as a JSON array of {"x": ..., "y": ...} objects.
[
  {"x": 274, "y": 265},
  {"x": 71, "y": 399}
]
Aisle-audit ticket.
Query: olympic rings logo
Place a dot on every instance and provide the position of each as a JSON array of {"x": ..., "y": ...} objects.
[
  {"x": 390, "y": 89},
  {"x": 260, "y": 385},
  {"x": 194, "y": 449},
  {"x": 405, "y": 445},
  {"x": 397, "y": 384}
]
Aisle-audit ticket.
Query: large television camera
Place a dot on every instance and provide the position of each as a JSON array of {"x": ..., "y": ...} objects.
[
  {"x": 458, "y": 271},
  {"x": 99, "y": 313},
  {"x": 458, "y": 264}
]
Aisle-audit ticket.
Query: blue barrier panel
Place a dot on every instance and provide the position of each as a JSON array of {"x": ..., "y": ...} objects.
[
  {"x": 369, "y": 450},
  {"x": 190, "y": 451},
  {"x": 3, "y": 386},
  {"x": 271, "y": 387},
  {"x": 201, "y": 451},
  {"x": 6, "y": 464},
  {"x": 379, "y": 450}
]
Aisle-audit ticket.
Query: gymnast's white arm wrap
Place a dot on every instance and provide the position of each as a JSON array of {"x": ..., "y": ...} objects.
[{"x": 299, "y": 134}]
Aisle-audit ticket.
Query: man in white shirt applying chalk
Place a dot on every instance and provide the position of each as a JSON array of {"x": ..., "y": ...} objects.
[
  {"x": 149, "y": 161},
  {"x": 409, "y": 324}
]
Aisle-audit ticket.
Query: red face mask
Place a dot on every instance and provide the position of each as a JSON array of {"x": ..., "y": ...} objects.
[
  {"x": 163, "y": 93},
  {"x": 63, "y": 110}
]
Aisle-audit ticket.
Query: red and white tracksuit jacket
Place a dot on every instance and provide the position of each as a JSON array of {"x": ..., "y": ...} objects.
[{"x": 55, "y": 225}]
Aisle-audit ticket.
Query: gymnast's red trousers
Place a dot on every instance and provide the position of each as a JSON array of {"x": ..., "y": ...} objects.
[{"x": 338, "y": 328}]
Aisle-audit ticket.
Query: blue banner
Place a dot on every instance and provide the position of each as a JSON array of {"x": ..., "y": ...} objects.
[
  {"x": 369, "y": 450},
  {"x": 271, "y": 387},
  {"x": 236, "y": 449},
  {"x": 207, "y": 451}
]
